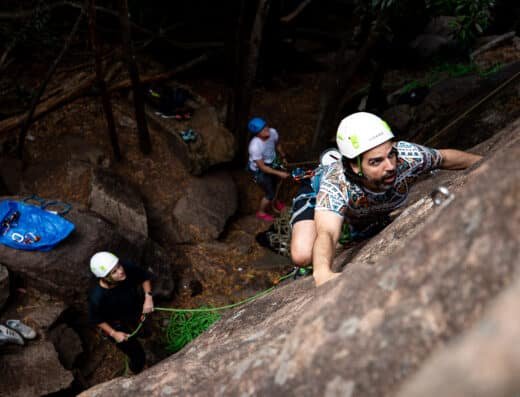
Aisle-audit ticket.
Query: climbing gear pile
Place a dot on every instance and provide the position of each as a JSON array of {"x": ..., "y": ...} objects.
[
  {"x": 280, "y": 236},
  {"x": 188, "y": 135}
]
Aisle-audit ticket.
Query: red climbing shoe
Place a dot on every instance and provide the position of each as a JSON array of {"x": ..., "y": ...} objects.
[
  {"x": 279, "y": 205},
  {"x": 265, "y": 217}
]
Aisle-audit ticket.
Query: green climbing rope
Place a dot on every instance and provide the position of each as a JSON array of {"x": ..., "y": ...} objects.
[{"x": 186, "y": 324}]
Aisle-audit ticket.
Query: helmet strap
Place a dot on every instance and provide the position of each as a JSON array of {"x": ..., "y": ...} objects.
[{"x": 360, "y": 172}]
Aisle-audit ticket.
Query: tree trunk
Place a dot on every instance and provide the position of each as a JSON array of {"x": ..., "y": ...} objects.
[
  {"x": 34, "y": 101},
  {"x": 142, "y": 128},
  {"x": 250, "y": 66},
  {"x": 336, "y": 84},
  {"x": 239, "y": 50},
  {"x": 101, "y": 85}
]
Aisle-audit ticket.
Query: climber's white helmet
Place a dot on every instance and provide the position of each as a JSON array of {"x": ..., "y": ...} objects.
[
  {"x": 329, "y": 156},
  {"x": 360, "y": 132},
  {"x": 102, "y": 263}
]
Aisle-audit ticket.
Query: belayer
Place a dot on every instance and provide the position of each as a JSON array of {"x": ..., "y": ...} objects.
[
  {"x": 263, "y": 149},
  {"x": 371, "y": 179},
  {"x": 118, "y": 302}
]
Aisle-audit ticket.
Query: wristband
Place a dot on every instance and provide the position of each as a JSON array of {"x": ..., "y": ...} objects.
[{"x": 149, "y": 293}]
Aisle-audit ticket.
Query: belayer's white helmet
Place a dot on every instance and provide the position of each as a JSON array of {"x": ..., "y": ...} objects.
[
  {"x": 360, "y": 132},
  {"x": 102, "y": 263}
]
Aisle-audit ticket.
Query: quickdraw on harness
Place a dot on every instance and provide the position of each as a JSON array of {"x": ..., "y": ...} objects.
[{"x": 299, "y": 174}]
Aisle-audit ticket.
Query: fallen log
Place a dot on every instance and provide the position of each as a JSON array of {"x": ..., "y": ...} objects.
[{"x": 84, "y": 86}]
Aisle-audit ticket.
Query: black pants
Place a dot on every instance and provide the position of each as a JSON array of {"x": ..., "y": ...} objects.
[
  {"x": 132, "y": 347},
  {"x": 135, "y": 353}
]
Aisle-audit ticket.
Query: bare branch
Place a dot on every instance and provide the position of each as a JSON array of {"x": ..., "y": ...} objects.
[{"x": 295, "y": 12}]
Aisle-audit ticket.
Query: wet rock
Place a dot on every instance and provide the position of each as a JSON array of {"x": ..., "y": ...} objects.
[
  {"x": 4, "y": 286},
  {"x": 203, "y": 211},
  {"x": 33, "y": 370},
  {"x": 118, "y": 202},
  {"x": 67, "y": 344}
]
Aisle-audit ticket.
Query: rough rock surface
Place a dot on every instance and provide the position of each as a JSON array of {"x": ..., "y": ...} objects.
[
  {"x": 67, "y": 343},
  {"x": 4, "y": 286},
  {"x": 33, "y": 370},
  {"x": 421, "y": 282},
  {"x": 118, "y": 202},
  {"x": 203, "y": 211},
  {"x": 483, "y": 362}
]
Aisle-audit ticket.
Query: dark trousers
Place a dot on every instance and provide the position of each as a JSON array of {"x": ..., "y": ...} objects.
[
  {"x": 135, "y": 353},
  {"x": 132, "y": 347}
]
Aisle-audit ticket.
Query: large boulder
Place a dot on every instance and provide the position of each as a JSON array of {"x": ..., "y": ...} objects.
[
  {"x": 438, "y": 36},
  {"x": 4, "y": 286},
  {"x": 422, "y": 281},
  {"x": 213, "y": 145},
  {"x": 205, "y": 207},
  {"x": 33, "y": 370},
  {"x": 119, "y": 202}
]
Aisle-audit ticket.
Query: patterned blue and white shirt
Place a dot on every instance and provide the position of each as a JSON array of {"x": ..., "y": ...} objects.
[{"x": 356, "y": 203}]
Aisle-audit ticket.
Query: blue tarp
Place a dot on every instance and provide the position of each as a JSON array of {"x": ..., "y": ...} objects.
[{"x": 31, "y": 228}]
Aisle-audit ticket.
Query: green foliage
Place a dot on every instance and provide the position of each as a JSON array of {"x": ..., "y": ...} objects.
[
  {"x": 445, "y": 70},
  {"x": 184, "y": 327},
  {"x": 472, "y": 17}
]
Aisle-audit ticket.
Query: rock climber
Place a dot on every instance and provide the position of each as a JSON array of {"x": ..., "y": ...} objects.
[
  {"x": 117, "y": 305},
  {"x": 371, "y": 180}
]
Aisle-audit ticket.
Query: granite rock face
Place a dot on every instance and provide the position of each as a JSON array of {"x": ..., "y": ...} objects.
[{"x": 424, "y": 280}]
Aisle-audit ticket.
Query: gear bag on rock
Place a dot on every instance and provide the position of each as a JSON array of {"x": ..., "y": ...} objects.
[{"x": 31, "y": 228}]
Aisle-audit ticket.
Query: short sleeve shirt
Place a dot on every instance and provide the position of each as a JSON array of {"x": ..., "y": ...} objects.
[
  {"x": 121, "y": 303},
  {"x": 356, "y": 203},
  {"x": 263, "y": 150}
]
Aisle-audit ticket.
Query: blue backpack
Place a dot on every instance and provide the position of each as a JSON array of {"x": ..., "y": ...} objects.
[{"x": 31, "y": 228}]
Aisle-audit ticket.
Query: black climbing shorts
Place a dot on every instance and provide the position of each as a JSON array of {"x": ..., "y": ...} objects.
[{"x": 303, "y": 204}]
